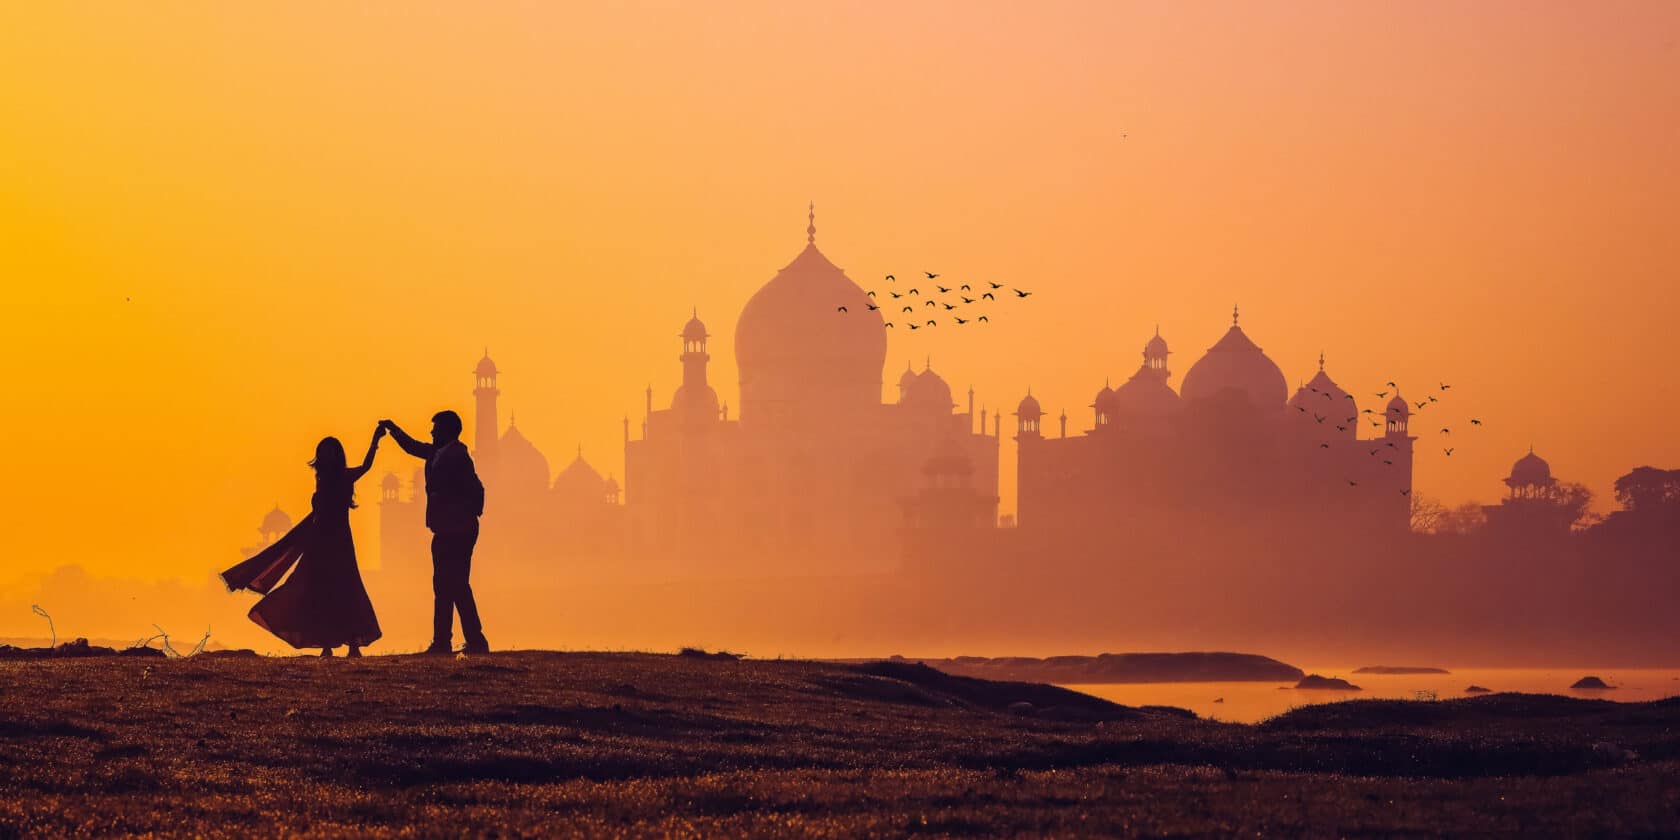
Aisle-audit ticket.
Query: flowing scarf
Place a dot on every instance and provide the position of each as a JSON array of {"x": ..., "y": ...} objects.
[{"x": 267, "y": 567}]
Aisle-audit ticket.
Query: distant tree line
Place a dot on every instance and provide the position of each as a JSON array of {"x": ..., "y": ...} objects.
[{"x": 1649, "y": 500}]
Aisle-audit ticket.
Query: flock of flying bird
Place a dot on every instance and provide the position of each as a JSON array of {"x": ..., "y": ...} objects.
[
  {"x": 1418, "y": 406},
  {"x": 943, "y": 305}
]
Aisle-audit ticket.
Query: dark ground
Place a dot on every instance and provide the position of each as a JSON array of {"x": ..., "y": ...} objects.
[{"x": 635, "y": 744}]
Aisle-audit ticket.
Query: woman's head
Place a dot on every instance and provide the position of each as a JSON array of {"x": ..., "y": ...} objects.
[
  {"x": 329, "y": 457},
  {"x": 331, "y": 472}
]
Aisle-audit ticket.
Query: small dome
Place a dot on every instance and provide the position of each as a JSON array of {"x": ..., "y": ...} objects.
[
  {"x": 1156, "y": 348},
  {"x": 612, "y": 484},
  {"x": 907, "y": 379},
  {"x": 929, "y": 390},
  {"x": 1028, "y": 407},
  {"x": 519, "y": 463},
  {"x": 1145, "y": 396},
  {"x": 1322, "y": 397},
  {"x": 580, "y": 482},
  {"x": 276, "y": 522},
  {"x": 1398, "y": 407},
  {"x": 485, "y": 366},
  {"x": 1529, "y": 470},
  {"x": 694, "y": 330},
  {"x": 390, "y": 482},
  {"x": 1104, "y": 399},
  {"x": 695, "y": 402},
  {"x": 1237, "y": 364}
]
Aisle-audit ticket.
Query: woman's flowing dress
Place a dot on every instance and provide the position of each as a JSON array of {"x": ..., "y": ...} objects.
[{"x": 324, "y": 603}]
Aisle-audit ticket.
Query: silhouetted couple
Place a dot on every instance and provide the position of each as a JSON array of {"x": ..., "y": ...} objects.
[{"x": 323, "y": 604}]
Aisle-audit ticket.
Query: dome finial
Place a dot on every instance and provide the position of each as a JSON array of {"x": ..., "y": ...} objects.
[
  {"x": 1321, "y": 360},
  {"x": 1233, "y": 314},
  {"x": 811, "y": 229},
  {"x": 928, "y": 364}
]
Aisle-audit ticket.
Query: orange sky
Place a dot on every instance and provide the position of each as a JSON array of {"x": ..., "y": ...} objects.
[{"x": 229, "y": 229}]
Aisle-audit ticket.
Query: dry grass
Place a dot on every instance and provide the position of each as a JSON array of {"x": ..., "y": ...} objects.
[{"x": 631, "y": 744}]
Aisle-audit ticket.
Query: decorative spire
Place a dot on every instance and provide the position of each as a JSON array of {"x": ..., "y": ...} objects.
[
  {"x": 811, "y": 229},
  {"x": 928, "y": 364},
  {"x": 1233, "y": 314},
  {"x": 1321, "y": 360}
]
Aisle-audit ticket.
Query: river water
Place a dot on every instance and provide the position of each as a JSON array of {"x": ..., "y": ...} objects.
[{"x": 1248, "y": 702}]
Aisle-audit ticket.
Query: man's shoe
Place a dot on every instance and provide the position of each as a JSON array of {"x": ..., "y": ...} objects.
[
  {"x": 478, "y": 648},
  {"x": 437, "y": 650}
]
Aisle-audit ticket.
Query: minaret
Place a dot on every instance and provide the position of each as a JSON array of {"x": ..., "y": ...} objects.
[
  {"x": 486, "y": 428},
  {"x": 694, "y": 356},
  {"x": 1027, "y": 415},
  {"x": 971, "y": 411}
]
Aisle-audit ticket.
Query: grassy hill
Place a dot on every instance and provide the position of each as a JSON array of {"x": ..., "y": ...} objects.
[{"x": 592, "y": 744}]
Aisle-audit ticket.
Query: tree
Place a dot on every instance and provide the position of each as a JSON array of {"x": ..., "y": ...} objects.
[
  {"x": 1463, "y": 520},
  {"x": 1648, "y": 490},
  {"x": 1574, "y": 503},
  {"x": 1426, "y": 513}
]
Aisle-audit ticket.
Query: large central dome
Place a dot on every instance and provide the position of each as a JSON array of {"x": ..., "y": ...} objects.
[
  {"x": 1237, "y": 364},
  {"x": 798, "y": 354}
]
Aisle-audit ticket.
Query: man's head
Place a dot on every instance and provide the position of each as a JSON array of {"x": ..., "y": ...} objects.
[{"x": 446, "y": 427}]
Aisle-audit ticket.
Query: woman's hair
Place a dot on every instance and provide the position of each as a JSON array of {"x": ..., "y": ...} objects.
[{"x": 331, "y": 469}]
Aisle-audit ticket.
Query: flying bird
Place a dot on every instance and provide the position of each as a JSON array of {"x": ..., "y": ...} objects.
[
  {"x": 1341, "y": 428},
  {"x": 1392, "y": 385},
  {"x": 1019, "y": 293},
  {"x": 1381, "y": 395},
  {"x": 1324, "y": 446},
  {"x": 1388, "y": 462},
  {"x": 988, "y": 296},
  {"x": 1406, "y": 492},
  {"x": 1301, "y": 408},
  {"x": 1318, "y": 419},
  {"x": 1445, "y": 386},
  {"x": 1446, "y": 431},
  {"x": 942, "y": 289},
  {"x": 995, "y": 285},
  {"x": 1432, "y": 399},
  {"x": 966, "y": 299},
  {"x": 896, "y": 294},
  {"x": 962, "y": 320},
  {"x": 1448, "y": 450},
  {"x": 889, "y": 323},
  {"x": 948, "y": 307},
  {"x": 1475, "y": 422},
  {"x": 916, "y": 293},
  {"x": 842, "y": 309},
  {"x": 870, "y": 293},
  {"x": 930, "y": 274},
  {"x": 1352, "y": 483},
  {"x": 914, "y": 327},
  {"x": 930, "y": 323},
  {"x": 908, "y": 309},
  {"x": 932, "y": 303},
  {"x": 983, "y": 318},
  {"x": 965, "y": 288},
  {"x": 891, "y": 278},
  {"x": 1422, "y": 404},
  {"x": 872, "y": 307}
]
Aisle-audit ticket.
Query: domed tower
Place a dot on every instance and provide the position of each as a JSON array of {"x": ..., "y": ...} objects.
[
  {"x": 695, "y": 401},
  {"x": 1236, "y": 365},
  {"x": 1027, "y": 415},
  {"x": 1396, "y": 417},
  {"x": 1324, "y": 407},
  {"x": 1155, "y": 354},
  {"x": 275, "y": 524},
  {"x": 1103, "y": 408},
  {"x": 1531, "y": 477},
  {"x": 388, "y": 487},
  {"x": 485, "y": 424},
  {"x": 802, "y": 361}
]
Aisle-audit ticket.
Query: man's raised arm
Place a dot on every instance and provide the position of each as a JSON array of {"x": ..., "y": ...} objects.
[{"x": 408, "y": 444}]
